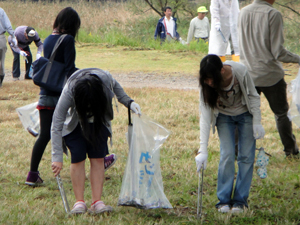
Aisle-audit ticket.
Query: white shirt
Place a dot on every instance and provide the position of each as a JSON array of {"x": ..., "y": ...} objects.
[{"x": 169, "y": 25}]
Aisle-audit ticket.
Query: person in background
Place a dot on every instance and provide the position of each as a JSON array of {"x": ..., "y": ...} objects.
[
  {"x": 224, "y": 29},
  {"x": 229, "y": 101},
  {"x": 5, "y": 26},
  {"x": 87, "y": 99},
  {"x": 66, "y": 22},
  {"x": 262, "y": 50},
  {"x": 166, "y": 28},
  {"x": 199, "y": 26},
  {"x": 25, "y": 35}
]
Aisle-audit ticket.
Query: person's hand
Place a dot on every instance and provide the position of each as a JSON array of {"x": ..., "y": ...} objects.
[
  {"x": 14, "y": 42},
  {"x": 201, "y": 159},
  {"x": 22, "y": 53},
  {"x": 218, "y": 26},
  {"x": 38, "y": 55},
  {"x": 258, "y": 131},
  {"x": 135, "y": 108},
  {"x": 56, "y": 167}
]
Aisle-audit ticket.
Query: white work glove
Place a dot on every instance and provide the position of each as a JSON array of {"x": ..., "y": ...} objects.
[
  {"x": 38, "y": 55},
  {"x": 14, "y": 42},
  {"x": 258, "y": 131},
  {"x": 22, "y": 53},
  {"x": 218, "y": 26},
  {"x": 201, "y": 159},
  {"x": 135, "y": 108}
]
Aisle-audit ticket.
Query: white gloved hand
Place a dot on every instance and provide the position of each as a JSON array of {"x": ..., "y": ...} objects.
[
  {"x": 201, "y": 159},
  {"x": 22, "y": 53},
  {"x": 135, "y": 108},
  {"x": 258, "y": 131},
  {"x": 38, "y": 55},
  {"x": 218, "y": 26},
  {"x": 14, "y": 42}
]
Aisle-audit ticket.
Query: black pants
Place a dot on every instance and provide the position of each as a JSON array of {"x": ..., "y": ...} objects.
[
  {"x": 16, "y": 63},
  {"x": 43, "y": 139}
]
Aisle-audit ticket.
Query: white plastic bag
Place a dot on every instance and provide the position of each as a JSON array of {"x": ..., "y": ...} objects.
[
  {"x": 142, "y": 185},
  {"x": 30, "y": 118},
  {"x": 294, "y": 111}
]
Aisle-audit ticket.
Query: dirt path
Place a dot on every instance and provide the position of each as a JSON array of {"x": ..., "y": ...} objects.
[{"x": 140, "y": 80}]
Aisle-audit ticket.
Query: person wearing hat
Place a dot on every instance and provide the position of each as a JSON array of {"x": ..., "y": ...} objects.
[
  {"x": 25, "y": 36},
  {"x": 199, "y": 26},
  {"x": 5, "y": 25}
]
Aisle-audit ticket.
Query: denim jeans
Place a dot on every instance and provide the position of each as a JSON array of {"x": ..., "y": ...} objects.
[
  {"x": 226, "y": 126},
  {"x": 16, "y": 63},
  {"x": 276, "y": 96}
]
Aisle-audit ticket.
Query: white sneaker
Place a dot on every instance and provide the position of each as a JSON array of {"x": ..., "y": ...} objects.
[
  {"x": 224, "y": 209},
  {"x": 237, "y": 210}
]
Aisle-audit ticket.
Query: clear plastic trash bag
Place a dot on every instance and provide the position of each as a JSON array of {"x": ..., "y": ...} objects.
[
  {"x": 294, "y": 111},
  {"x": 30, "y": 118},
  {"x": 142, "y": 185}
]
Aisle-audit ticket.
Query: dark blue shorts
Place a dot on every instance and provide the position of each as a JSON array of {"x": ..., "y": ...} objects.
[{"x": 80, "y": 147}]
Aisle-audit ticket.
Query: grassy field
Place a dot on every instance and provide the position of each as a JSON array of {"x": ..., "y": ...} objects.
[{"x": 274, "y": 200}]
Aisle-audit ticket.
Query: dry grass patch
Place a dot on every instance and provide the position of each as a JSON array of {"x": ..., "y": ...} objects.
[{"x": 272, "y": 200}]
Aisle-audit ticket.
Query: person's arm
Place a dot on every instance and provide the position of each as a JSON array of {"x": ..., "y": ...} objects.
[
  {"x": 215, "y": 10},
  {"x": 208, "y": 27},
  {"x": 276, "y": 39},
  {"x": 205, "y": 123},
  {"x": 122, "y": 97},
  {"x": 157, "y": 30},
  {"x": 7, "y": 25},
  {"x": 65, "y": 102},
  {"x": 254, "y": 101},
  {"x": 191, "y": 32},
  {"x": 15, "y": 48},
  {"x": 69, "y": 54},
  {"x": 38, "y": 43}
]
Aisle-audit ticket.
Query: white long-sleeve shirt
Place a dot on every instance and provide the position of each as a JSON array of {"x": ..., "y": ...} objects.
[{"x": 198, "y": 29}]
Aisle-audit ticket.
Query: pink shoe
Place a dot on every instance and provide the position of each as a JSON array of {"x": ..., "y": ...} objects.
[
  {"x": 79, "y": 208},
  {"x": 99, "y": 207}
]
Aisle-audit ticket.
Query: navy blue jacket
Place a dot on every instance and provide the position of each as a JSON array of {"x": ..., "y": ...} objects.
[{"x": 161, "y": 30}]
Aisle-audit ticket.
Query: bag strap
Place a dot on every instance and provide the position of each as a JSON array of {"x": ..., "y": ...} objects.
[
  {"x": 129, "y": 113},
  {"x": 49, "y": 65}
]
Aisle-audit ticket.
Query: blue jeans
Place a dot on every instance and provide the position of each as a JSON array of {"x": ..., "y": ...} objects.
[{"x": 226, "y": 126}]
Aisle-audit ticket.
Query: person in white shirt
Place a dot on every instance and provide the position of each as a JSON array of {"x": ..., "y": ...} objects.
[
  {"x": 199, "y": 26},
  {"x": 224, "y": 20},
  {"x": 166, "y": 27}
]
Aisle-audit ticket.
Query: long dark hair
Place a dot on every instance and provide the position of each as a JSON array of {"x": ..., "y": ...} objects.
[
  {"x": 90, "y": 101},
  {"x": 67, "y": 22},
  {"x": 210, "y": 67}
]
